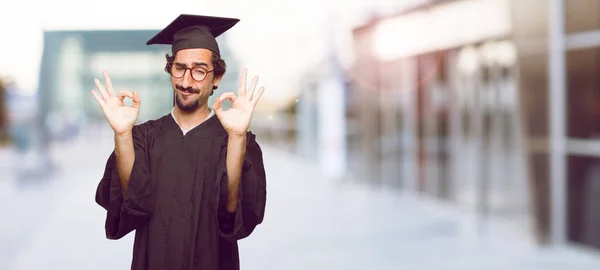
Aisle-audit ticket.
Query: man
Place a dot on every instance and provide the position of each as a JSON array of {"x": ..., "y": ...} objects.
[{"x": 189, "y": 183}]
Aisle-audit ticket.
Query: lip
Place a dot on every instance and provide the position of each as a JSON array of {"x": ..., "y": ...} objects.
[{"x": 186, "y": 93}]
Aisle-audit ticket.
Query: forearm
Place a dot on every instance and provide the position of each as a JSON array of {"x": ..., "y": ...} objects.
[
  {"x": 125, "y": 156},
  {"x": 236, "y": 152}
]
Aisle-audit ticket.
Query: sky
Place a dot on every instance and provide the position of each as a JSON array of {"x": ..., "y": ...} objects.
[{"x": 276, "y": 40}]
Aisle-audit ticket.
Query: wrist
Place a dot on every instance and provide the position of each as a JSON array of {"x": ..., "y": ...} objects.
[
  {"x": 237, "y": 136},
  {"x": 123, "y": 135}
]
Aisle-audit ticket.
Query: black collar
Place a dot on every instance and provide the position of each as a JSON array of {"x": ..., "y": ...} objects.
[{"x": 210, "y": 128}]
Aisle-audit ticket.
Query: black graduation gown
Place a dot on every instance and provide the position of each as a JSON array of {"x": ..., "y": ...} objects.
[{"x": 176, "y": 197}]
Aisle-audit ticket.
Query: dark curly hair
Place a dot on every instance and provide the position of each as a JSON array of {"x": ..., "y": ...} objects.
[{"x": 219, "y": 66}]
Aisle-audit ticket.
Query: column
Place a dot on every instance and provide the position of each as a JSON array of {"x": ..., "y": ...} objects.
[{"x": 557, "y": 120}]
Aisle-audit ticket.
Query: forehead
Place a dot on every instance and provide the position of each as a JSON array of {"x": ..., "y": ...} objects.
[{"x": 189, "y": 56}]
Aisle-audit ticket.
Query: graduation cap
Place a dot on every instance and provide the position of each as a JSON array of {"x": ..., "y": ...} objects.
[{"x": 192, "y": 32}]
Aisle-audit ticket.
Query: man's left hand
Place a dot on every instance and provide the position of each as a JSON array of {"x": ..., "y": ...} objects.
[{"x": 236, "y": 120}]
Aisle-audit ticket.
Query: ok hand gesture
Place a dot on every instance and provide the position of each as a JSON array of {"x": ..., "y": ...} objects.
[
  {"x": 236, "y": 120},
  {"x": 121, "y": 118}
]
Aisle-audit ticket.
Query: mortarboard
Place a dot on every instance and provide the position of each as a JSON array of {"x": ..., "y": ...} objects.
[{"x": 193, "y": 31}]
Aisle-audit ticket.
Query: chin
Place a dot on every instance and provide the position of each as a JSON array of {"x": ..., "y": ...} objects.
[{"x": 188, "y": 105}]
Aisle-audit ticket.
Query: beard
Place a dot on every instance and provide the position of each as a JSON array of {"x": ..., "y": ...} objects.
[{"x": 192, "y": 105}]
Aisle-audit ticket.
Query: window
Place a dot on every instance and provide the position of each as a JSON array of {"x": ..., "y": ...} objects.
[
  {"x": 583, "y": 200},
  {"x": 582, "y": 15},
  {"x": 583, "y": 93}
]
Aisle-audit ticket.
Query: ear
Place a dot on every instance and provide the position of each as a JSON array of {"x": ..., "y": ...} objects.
[{"x": 216, "y": 82}]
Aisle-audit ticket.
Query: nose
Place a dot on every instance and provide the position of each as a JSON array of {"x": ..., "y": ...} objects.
[{"x": 187, "y": 80}]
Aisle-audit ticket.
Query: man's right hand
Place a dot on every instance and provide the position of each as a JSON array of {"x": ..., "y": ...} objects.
[{"x": 121, "y": 118}]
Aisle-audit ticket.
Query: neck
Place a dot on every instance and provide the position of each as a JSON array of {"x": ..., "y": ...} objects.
[{"x": 187, "y": 120}]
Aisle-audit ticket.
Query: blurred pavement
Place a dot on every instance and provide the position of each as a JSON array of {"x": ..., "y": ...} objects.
[{"x": 310, "y": 223}]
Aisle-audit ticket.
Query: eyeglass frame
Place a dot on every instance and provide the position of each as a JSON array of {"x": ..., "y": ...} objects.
[{"x": 190, "y": 69}]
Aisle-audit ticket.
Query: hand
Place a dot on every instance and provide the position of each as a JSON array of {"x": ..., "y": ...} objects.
[
  {"x": 121, "y": 118},
  {"x": 236, "y": 120}
]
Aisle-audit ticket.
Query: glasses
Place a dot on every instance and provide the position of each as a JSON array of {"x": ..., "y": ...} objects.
[{"x": 198, "y": 73}]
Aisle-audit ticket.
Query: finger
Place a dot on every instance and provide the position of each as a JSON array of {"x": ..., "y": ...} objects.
[
  {"x": 250, "y": 92},
  {"x": 217, "y": 107},
  {"x": 109, "y": 88},
  {"x": 101, "y": 90},
  {"x": 228, "y": 95},
  {"x": 259, "y": 93},
  {"x": 242, "y": 90},
  {"x": 137, "y": 101},
  {"x": 124, "y": 93},
  {"x": 98, "y": 98}
]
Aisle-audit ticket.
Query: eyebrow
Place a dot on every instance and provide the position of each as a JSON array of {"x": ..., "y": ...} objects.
[
  {"x": 201, "y": 64},
  {"x": 196, "y": 64}
]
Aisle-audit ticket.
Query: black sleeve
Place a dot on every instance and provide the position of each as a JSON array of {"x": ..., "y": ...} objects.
[
  {"x": 124, "y": 215},
  {"x": 252, "y": 193}
]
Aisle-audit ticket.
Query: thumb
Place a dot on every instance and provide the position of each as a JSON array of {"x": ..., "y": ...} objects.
[{"x": 137, "y": 101}]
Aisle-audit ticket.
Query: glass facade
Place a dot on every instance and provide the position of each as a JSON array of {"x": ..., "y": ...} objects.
[
  {"x": 471, "y": 124},
  {"x": 582, "y": 25},
  {"x": 446, "y": 124}
]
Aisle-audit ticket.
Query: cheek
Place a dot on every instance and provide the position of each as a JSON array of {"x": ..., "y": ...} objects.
[
  {"x": 204, "y": 86},
  {"x": 175, "y": 82}
]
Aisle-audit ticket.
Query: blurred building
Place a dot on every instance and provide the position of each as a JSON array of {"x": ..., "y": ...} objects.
[
  {"x": 4, "y": 137},
  {"x": 489, "y": 105}
]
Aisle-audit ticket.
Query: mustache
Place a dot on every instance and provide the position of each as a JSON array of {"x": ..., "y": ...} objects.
[{"x": 187, "y": 89}]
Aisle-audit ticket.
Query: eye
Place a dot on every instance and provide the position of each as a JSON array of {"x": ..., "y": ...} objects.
[{"x": 200, "y": 71}]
